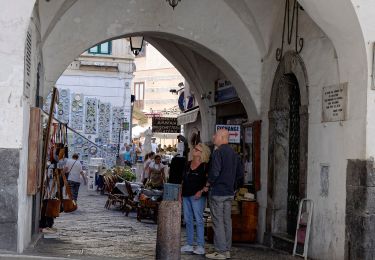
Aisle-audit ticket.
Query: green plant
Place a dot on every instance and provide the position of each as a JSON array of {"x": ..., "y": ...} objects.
[{"x": 124, "y": 173}]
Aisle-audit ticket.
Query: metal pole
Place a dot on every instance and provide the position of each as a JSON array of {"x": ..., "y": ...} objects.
[
  {"x": 46, "y": 143},
  {"x": 119, "y": 138},
  {"x": 131, "y": 122}
]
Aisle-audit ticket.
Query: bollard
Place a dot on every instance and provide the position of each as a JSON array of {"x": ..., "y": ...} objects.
[{"x": 168, "y": 241}]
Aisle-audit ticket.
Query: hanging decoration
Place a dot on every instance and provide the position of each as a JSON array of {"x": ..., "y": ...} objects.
[{"x": 290, "y": 18}]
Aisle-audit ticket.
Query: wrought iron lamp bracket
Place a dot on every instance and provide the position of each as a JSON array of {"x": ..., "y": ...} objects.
[{"x": 289, "y": 22}]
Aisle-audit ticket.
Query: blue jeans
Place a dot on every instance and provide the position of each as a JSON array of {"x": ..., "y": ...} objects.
[
  {"x": 221, "y": 208},
  {"x": 193, "y": 209},
  {"x": 74, "y": 188}
]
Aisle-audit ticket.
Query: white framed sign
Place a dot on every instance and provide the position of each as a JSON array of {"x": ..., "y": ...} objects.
[{"x": 234, "y": 132}]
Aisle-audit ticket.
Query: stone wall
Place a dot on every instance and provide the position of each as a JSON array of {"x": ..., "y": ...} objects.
[
  {"x": 360, "y": 210},
  {"x": 9, "y": 163}
]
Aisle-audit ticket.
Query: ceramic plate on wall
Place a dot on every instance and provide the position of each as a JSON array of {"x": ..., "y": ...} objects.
[
  {"x": 64, "y": 92},
  {"x": 77, "y": 97}
]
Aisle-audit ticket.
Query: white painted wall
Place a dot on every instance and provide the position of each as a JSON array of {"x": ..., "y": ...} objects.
[
  {"x": 108, "y": 87},
  {"x": 365, "y": 11},
  {"x": 15, "y": 19}
]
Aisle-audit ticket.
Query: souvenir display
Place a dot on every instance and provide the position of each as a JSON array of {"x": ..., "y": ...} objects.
[
  {"x": 98, "y": 121},
  {"x": 63, "y": 105},
  {"x": 91, "y": 114},
  {"x": 117, "y": 117},
  {"x": 76, "y": 121},
  {"x": 103, "y": 124}
]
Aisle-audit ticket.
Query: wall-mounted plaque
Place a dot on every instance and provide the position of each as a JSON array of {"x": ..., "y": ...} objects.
[{"x": 334, "y": 102}]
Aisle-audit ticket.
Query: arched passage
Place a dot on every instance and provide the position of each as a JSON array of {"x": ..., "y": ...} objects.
[
  {"x": 197, "y": 21},
  {"x": 76, "y": 24}
]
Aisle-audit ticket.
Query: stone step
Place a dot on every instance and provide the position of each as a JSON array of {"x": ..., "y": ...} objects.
[{"x": 283, "y": 242}]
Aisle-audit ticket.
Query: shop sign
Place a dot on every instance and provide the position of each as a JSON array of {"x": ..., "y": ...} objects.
[
  {"x": 234, "y": 132},
  {"x": 224, "y": 91},
  {"x": 165, "y": 125},
  {"x": 188, "y": 117}
]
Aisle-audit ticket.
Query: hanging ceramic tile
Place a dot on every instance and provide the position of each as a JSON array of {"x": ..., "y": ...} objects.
[
  {"x": 90, "y": 122},
  {"x": 103, "y": 123},
  {"x": 77, "y": 112}
]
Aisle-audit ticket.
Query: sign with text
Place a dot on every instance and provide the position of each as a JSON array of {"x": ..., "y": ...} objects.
[
  {"x": 165, "y": 125},
  {"x": 334, "y": 102},
  {"x": 234, "y": 132}
]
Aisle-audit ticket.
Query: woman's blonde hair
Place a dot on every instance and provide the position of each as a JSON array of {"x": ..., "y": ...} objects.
[{"x": 205, "y": 155}]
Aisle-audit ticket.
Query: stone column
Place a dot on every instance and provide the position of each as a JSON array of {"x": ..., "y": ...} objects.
[
  {"x": 168, "y": 241},
  {"x": 360, "y": 210}
]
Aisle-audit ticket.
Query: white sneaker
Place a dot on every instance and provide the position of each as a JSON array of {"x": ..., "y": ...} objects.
[
  {"x": 48, "y": 230},
  {"x": 199, "y": 250},
  {"x": 187, "y": 249},
  {"x": 216, "y": 255}
]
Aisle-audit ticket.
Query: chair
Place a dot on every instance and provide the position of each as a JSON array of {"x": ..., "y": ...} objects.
[
  {"x": 129, "y": 203},
  {"x": 147, "y": 208},
  {"x": 115, "y": 197}
]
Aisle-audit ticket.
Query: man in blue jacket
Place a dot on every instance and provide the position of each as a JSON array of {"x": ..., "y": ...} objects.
[{"x": 225, "y": 175}]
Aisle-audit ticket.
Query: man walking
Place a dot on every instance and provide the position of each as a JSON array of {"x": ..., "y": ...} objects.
[{"x": 225, "y": 174}]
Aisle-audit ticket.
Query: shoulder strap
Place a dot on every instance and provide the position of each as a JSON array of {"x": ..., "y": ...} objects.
[{"x": 72, "y": 165}]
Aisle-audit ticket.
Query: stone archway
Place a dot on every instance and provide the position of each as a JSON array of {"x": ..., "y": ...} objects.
[{"x": 288, "y": 132}]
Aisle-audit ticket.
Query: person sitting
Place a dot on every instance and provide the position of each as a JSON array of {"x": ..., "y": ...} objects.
[{"x": 157, "y": 175}]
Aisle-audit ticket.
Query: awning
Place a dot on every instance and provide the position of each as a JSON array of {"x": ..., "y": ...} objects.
[{"x": 188, "y": 117}]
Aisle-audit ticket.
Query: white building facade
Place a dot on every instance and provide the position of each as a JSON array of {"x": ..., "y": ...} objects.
[{"x": 209, "y": 40}]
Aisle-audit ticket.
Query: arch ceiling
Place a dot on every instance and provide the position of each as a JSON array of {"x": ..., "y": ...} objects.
[
  {"x": 233, "y": 35},
  {"x": 220, "y": 40}
]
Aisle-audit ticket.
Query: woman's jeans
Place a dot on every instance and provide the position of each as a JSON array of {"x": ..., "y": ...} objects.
[
  {"x": 193, "y": 209},
  {"x": 74, "y": 188}
]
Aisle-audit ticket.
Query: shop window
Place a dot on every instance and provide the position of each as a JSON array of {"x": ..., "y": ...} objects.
[
  {"x": 104, "y": 48},
  {"x": 139, "y": 93}
]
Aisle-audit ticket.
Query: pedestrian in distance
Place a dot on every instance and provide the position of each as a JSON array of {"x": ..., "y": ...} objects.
[
  {"x": 157, "y": 174},
  {"x": 146, "y": 172},
  {"x": 225, "y": 175},
  {"x": 127, "y": 155},
  {"x": 73, "y": 168},
  {"x": 194, "y": 198}
]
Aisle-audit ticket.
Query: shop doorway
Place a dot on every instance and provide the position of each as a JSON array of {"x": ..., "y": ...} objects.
[{"x": 287, "y": 147}]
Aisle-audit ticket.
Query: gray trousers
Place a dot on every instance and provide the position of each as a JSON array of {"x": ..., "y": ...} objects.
[{"x": 221, "y": 208}]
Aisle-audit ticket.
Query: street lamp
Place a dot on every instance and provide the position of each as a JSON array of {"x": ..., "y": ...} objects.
[
  {"x": 136, "y": 43},
  {"x": 173, "y": 3}
]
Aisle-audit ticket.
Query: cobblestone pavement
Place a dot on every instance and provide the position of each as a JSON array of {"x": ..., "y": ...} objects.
[{"x": 93, "y": 232}]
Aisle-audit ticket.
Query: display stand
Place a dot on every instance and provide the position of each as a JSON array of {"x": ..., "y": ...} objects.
[{"x": 93, "y": 169}]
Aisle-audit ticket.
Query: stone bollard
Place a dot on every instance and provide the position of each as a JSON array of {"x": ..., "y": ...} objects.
[{"x": 168, "y": 242}]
